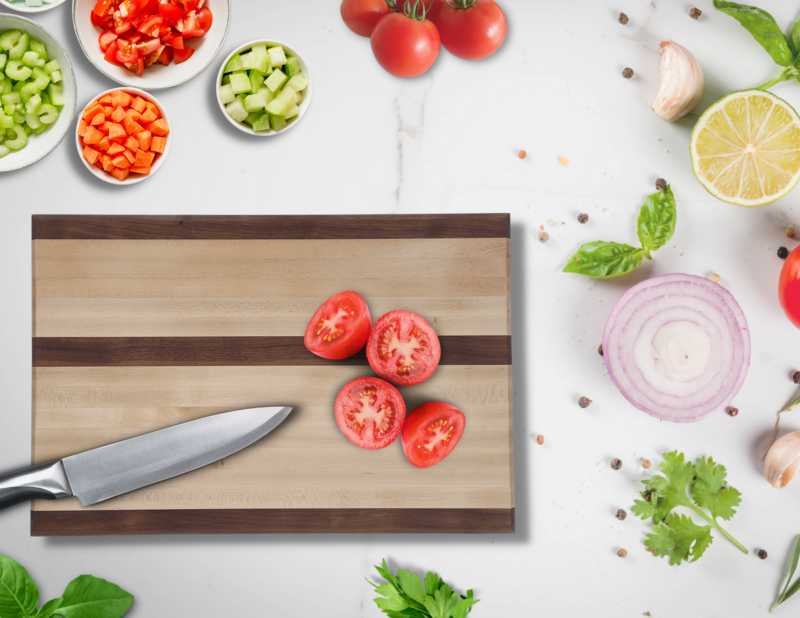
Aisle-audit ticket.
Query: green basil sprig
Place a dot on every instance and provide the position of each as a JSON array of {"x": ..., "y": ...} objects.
[
  {"x": 785, "y": 51},
  {"x": 84, "y": 596},
  {"x": 656, "y": 225}
]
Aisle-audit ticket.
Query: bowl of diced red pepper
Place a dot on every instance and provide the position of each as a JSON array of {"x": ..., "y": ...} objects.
[
  {"x": 151, "y": 44},
  {"x": 123, "y": 136}
]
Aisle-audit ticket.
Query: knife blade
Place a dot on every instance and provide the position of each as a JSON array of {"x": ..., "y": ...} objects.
[{"x": 118, "y": 468}]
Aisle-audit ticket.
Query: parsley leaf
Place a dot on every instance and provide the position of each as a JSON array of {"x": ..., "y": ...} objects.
[{"x": 694, "y": 486}]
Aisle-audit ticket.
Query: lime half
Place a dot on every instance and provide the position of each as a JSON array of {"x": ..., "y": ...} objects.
[{"x": 746, "y": 148}]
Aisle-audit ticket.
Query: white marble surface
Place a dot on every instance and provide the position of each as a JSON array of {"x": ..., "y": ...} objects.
[{"x": 447, "y": 142}]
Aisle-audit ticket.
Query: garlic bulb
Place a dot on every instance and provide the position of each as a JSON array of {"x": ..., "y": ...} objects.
[
  {"x": 681, "y": 83},
  {"x": 783, "y": 460}
]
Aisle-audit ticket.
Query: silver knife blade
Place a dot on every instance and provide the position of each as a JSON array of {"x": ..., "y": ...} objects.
[{"x": 118, "y": 468}]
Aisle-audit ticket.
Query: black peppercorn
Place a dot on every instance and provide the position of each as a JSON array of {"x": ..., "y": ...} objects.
[
  {"x": 783, "y": 253},
  {"x": 600, "y": 350},
  {"x": 623, "y": 19},
  {"x": 733, "y": 411},
  {"x": 796, "y": 377},
  {"x": 621, "y": 514},
  {"x": 584, "y": 402},
  {"x": 583, "y": 218},
  {"x": 762, "y": 553},
  {"x": 616, "y": 464},
  {"x": 661, "y": 184},
  {"x": 695, "y": 13},
  {"x": 627, "y": 73}
]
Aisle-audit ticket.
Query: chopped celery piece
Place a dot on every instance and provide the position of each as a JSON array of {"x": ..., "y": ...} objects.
[
  {"x": 11, "y": 98},
  {"x": 293, "y": 66},
  {"x": 240, "y": 83},
  {"x": 262, "y": 124},
  {"x": 292, "y": 112},
  {"x": 31, "y": 59},
  {"x": 278, "y": 123},
  {"x": 28, "y": 90},
  {"x": 236, "y": 109},
  {"x": 20, "y": 138},
  {"x": 6, "y": 122},
  {"x": 33, "y": 121},
  {"x": 4, "y": 150},
  {"x": 16, "y": 52},
  {"x": 41, "y": 78},
  {"x": 9, "y": 109},
  {"x": 26, "y": 128},
  {"x": 33, "y": 104},
  {"x": 277, "y": 58},
  {"x": 18, "y": 117},
  {"x": 42, "y": 128},
  {"x": 256, "y": 80},
  {"x": 9, "y": 39},
  {"x": 5, "y": 84},
  {"x": 234, "y": 64},
  {"x": 15, "y": 70},
  {"x": 48, "y": 114},
  {"x": 40, "y": 49},
  {"x": 55, "y": 76},
  {"x": 255, "y": 102},
  {"x": 226, "y": 94},
  {"x": 276, "y": 80},
  {"x": 297, "y": 82},
  {"x": 56, "y": 96},
  {"x": 52, "y": 66},
  {"x": 3, "y": 58},
  {"x": 251, "y": 118}
]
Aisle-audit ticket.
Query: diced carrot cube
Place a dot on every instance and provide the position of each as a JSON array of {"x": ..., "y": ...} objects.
[
  {"x": 129, "y": 124},
  {"x": 104, "y": 128},
  {"x": 139, "y": 104},
  {"x": 81, "y": 127},
  {"x": 144, "y": 137},
  {"x": 104, "y": 144},
  {"x": 89, "y": 113},
  {"x": 115, "y": 149},
  {"x": 92, "y": 136},
  {"x": 148, "y": 116},
  {"x": 108, "y": 162},
  {"x": 129, "y": 156},
  {"x": 151, "y": 155},
  {"x": 153, "y": 108},
  {"x": 120, "y": 173},
  {"x": 141, "y": 170},
  {"x": 137, "y": 128},
  {"x": 120, "y": 97},
  {"x": 141, "y": 159},
  {"x": 108, "y": 110},
  {"x": 133, "y": 114},
  {"x": 116, "y": 133},
  {"x": 121, "y": 161},
  {"x": 158, "y": 144},
  {"x": 159, "y": 127},
  {"x": 132, "y": 144},
  {"x": 118, "y": 114},
  {"x": 99, "y": 118},
  {"x": 106, "y": 100},
  {"x": 90, "y": 154}
]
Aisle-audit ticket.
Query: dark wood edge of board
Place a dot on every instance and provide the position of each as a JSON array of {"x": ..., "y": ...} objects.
[
  {"x": 269, "y": 227},
  {"x": 272, "y": 521},
  {"x": 235, "y": 351}
]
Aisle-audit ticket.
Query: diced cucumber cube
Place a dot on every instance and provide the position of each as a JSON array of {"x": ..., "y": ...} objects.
[
  {"x": 16, "y": 70},
  {"x": 55, "y": 76},
  {"x": 293, "y": 66},
  {"x": 276, "y": 80},
  {"x": 33, "y": 3},
  {"x": 256, "y": 80},
  {"x": 9, "y": 39},
  {"x": 20, "y": 138},
  {"x": 56, "y": 95},
  {"x": 267, "y": 94},
  {"x": 287, "y": 96},
  {"x": 226, "y": 94},
  {"x": 255, "y": 103},
  {"x": 277, "y": 108},
  {"x": 277, "y": 58},
  {"x": 33, "y": 121},
  {"x": 259, "y": 49},
  {"x": 240, "y": 83},
  {"x": 236, "y": 109},
  {"x": 297, "y": 82},
  {"x": 16, "y": 52},
  {"x": 251, "y": 118},
  {"x": 234, "y": 64},
  {"x": 262, "y": 124},
  {"x": 52, "y": 66},
  {"x": 48, "y": 114},
  {"x": 31, "y": 59},
  {"x": 256, "y": 60},
  {"x": 39, "y": 48},
  {"x": 226, "y": 79},
  {"x": 3, "y": 58},
  {"x": 292, "y": 112},
  {"x": 278, "y": 123}
]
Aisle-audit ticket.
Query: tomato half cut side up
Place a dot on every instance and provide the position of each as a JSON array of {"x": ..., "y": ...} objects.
[
  {"x": 340, "y": 327},
  {"x": 370, "y": 413},
  {"x": 431, "y": 432},
  {"x": 403, "y": 348}
]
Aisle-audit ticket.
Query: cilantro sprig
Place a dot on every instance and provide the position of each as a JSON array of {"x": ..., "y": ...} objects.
[
  {"x": 700, "y": 487},
  {"x": 406, "y": 596}
]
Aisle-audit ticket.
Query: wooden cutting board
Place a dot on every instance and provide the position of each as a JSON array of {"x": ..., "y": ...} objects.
[{"x": 142, "y": 322}]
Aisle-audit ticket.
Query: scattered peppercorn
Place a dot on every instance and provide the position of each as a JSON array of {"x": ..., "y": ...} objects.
[
  {"x": 522, "y": 154},
  {"x": 661, "y": 184},
  {"x": 648, "y": 497},
  {"x": 621, "y": 514},
  {"x": 616, "y": 464},
  {"x": 714, "y": 278},
  {"x": 540, "y": 439},
  {"x": 584, "y": 402},
  {"x": 583, "y": 218},
  {"x": 646, "y": 463},
  {"x": 783, "y": 253},
  {"x": 796, "y": 377},
  {"x": 600, "y": 350},
  {"x": 762, "y": 553},
  {"x": 733, "y": 411},
  {"x": 695, "y": 13},
  {"x": 790, "y": 232},
  {"x": 543, "y": 237},
  {"x": 627, "y": 73},
  {"x": 623, "y": 19},
  {"x": 622, "y": 553}
]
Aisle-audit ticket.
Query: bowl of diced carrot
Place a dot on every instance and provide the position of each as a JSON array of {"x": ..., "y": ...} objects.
[{"x": 123, "y": 136}]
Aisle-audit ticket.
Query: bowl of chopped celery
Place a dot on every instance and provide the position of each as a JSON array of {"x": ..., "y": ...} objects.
[
  {"x": 264, "y": 88},
  {"x": 31, "y": 6},
  {"x": 38, "y": 93}
]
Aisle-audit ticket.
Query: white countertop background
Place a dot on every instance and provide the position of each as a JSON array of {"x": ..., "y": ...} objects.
[{"x": 446, "y": 142}]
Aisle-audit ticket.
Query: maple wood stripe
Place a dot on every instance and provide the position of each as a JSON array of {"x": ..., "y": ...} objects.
[
  {"x": 235, "y": 351},
  {"x": 269, "y": 227},
  {"x": 257, "y": 521}
]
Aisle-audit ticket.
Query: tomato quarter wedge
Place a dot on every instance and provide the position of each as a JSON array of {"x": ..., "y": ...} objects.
[
  {"x": 431, "y": 432},
  {"x": 340, "y": 327},
  {"x": 403, "y": 348},
  {"x": 370, "y": 413}
]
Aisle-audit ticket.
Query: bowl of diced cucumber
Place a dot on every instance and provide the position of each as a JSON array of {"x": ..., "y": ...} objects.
[
  {"x": 31, "y": 6},
  {"x": 264, "y": 88},
  {"x": 38, "y": 94}
]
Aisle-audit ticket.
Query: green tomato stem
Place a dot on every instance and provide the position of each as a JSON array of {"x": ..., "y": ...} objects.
[{"x": 714, "y": 524}]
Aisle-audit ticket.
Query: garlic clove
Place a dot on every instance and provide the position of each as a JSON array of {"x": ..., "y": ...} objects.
[
  {"x": 783, "y": 460},
  {"x": 681, "y": 85}
]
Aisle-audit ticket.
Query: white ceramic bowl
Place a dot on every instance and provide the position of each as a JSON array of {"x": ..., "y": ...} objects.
[
  {"x": 133, "y": 178},
  {"x": 20, "y": 6},
  {"x": 156, "y": 77},
  {"x": 307, "y": 93},
  {"x": 39, "y": 146}
]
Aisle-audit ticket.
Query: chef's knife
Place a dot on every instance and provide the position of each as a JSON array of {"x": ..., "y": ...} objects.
[{"x": 118, "y": 468}]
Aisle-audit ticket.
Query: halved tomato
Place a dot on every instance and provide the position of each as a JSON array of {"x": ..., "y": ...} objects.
[
  {"x": 340, "y": 327},
  {"x": 205, "y": 19},
  {"x": 370, "y": 412},
  {"x": 431, "y": 432},
  {"x": 403, "y": 348},
  {"x": 183, "y": 54}
]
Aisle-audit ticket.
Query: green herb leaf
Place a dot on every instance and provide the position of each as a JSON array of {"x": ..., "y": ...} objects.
[
  {"x": 794, "y": 38},
  {"x": 406, "y": 613},
  {"x": 657, "y": 219},
  {"x": 411, "y": 585},
  {"x": 442, "y": 603},
  {"x": 604, "y": 259},
  {"x": 393, "y": 600},
  {"x": 680, "y": 539},
  {"x": 19, "y": 594},
  {"x": 464, "y": 606},
  {"x": 787, "y": 591},
  {"x": 763, "y": 27},
  {"x": 709, "y": 490},
  {"x": 666, "y": 492},
  {"x": 432, "y": 583},
  {"x": 49, "y": 608},
  {"x": 92, "y": 597}
]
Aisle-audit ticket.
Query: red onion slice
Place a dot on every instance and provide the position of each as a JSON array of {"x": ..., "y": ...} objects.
[{"x": 677, "y": 347}]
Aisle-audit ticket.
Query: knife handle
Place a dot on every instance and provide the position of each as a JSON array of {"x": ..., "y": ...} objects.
[{"x": 46, "y": 481}]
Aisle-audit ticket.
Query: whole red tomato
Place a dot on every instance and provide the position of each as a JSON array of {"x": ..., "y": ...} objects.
[
  {"x": 470, "y": 29},
  {"x": 362, "y": 15},
  {"x": 789, "y": 287},
  {"x": 406, "y": 44}
]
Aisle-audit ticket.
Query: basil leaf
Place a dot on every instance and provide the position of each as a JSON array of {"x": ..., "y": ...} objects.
[
  {"x": 604, "y": 259},
  {"x": 92, "y": 597},
  {"x": 794, "y": 37},
  {"x": 763, "y": 27},
  {"x": 657, "y": 219},
  {"x": 19, "y": 594},
  {"x": 49, "y": 608}
]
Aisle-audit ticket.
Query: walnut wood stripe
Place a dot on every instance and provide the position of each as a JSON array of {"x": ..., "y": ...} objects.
[
  {"x": 234, "y": 351},
  {"x": 270, "y": 227},
  {"x": 255, "y": 521}
]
